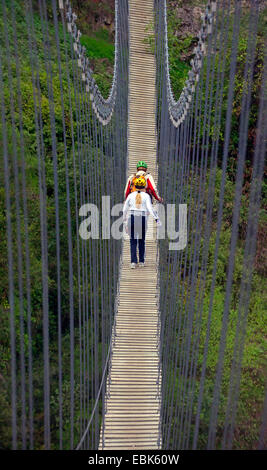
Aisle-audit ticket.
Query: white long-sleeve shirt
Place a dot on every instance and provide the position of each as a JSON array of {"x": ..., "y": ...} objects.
[{"x": 144, "y": 209}]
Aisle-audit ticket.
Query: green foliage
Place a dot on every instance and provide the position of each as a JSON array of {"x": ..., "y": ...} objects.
[
  {"x": 178, "y": 68},
  {"x": 253, "y": 371},
  {"x": 98, "y": 48},
  {"x": 35, "y": 102}
]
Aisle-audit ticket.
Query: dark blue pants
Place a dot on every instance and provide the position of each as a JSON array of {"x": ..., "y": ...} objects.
[{"x": 137, "y": 226}]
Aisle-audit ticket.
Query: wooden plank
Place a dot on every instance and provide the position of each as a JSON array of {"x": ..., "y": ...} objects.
[{"x": 132, "y": 420}]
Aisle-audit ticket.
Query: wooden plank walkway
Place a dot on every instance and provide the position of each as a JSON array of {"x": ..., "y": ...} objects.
[{"x": 132, "y": 419}]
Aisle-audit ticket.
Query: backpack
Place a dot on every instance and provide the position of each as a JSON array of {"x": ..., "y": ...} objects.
[{"x": 135, "y": 176}]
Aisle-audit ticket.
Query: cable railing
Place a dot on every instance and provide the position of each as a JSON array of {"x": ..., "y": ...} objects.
[
  {"x": 102, "y": 107},
  {"x": 178, "y": 109}
]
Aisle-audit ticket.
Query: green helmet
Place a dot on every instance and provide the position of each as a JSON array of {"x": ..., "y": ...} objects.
[{"x": 142, "y": 164}]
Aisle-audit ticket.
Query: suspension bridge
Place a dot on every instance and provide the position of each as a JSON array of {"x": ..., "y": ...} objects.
[{"x": 96, "y": 355}]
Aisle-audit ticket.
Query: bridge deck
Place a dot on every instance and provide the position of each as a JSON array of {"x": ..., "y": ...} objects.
[{"x": 133, "y": 402}]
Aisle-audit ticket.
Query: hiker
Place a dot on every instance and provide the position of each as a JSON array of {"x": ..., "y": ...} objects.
[
  {"x": 150, "y": 184},
  {"x": 138, "y": 204}
]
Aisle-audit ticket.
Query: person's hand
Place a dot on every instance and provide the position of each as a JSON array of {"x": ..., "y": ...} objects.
[
  {"x": 159, "y": 224},
  {"x": 161, "y": 200}
]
